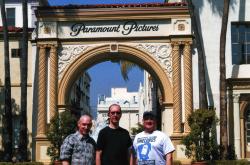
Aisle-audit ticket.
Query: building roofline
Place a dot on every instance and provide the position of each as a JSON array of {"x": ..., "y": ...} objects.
[{"x": 112, "y": 12}]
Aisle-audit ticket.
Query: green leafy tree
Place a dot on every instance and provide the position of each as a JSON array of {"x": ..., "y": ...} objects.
[
  {"x": 136, "y": 130},
  {"x": 61, "y": 125}
]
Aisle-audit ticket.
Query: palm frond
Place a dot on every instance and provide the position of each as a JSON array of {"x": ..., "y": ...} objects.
[{"x": 126, "y": 67}]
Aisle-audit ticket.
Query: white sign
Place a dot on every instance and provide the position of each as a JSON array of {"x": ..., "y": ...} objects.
[{"x": 100, "y": 29}]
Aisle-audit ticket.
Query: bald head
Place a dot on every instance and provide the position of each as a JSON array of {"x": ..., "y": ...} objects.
[{"x": 84, "y": 124}]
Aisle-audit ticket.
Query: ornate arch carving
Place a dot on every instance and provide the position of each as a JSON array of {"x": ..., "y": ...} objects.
[{"x": 102, "y": 53}]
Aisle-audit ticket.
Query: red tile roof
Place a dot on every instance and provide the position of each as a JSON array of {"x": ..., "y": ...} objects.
[
  {"x": 138, "y": 5},
  {"x": 15, "y": 29}
]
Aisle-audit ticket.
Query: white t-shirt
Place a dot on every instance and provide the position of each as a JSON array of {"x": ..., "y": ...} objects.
[{"x": 151, "y": 148}]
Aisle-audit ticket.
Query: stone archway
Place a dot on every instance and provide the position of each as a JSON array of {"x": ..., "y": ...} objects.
[
  {"x": 103, "y": 53},
  {"x": 244, "y": 109},
  {"x": 170, "y": 85},
  {"x": 127, "y": 52},
  {"x": 167, "y": 24}
]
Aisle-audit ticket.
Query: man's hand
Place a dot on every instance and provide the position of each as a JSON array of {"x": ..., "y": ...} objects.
[{"x": 65, "y": 162}]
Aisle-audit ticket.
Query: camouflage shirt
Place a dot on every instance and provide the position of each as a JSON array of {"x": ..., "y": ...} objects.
[{"x": 78, "y": 149}]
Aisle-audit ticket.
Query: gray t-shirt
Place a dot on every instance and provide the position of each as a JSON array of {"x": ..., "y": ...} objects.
[{"x": 151, "y": 148}]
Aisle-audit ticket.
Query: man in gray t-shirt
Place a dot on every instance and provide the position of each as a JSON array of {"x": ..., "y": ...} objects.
[{"x": 152, "y": 147}]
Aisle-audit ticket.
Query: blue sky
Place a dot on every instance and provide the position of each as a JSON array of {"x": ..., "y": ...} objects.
[{"x": 106, "y": 75}]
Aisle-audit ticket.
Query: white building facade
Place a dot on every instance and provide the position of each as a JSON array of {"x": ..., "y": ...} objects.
[
  {"x": 80, "y": 94},
  {"x": 14, "y": 12},
  {"x": 131, "y": 105},
  {"x": 237, "y": 62}
]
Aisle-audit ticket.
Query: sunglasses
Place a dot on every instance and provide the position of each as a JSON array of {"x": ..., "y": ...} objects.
[{"x": 113, "y": 113}]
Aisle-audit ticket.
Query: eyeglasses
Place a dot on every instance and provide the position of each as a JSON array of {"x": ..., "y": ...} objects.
[{"x": 113, "y": 113}]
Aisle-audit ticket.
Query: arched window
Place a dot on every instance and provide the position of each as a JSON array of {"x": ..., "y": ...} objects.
[{"x": 247, "y": 117}]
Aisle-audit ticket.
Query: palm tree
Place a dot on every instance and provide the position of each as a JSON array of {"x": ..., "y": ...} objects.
[
  {"x": 223, "y": 100},
  {"x": 126, "y": 66},
  {"x": 23, "y": 140},
  {"x": 7, "y": 115},
  {"x": 201, "y": 54}
]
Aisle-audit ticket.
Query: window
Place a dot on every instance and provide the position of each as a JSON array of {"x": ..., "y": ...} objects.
[
  {"x": 240, "y": 33},
  {"x": 16, "y": 53},
  {"x": 11, "y": 16}
]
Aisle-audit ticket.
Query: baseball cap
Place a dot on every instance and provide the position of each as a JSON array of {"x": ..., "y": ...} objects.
[{"x": 149, "y": 115}]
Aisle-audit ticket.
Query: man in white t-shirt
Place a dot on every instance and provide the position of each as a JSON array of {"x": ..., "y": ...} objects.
[{"x": 152, "y": 147}]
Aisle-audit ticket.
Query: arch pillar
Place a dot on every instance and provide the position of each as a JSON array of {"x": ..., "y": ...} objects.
[
  {"x": 188, "y": 83},
  {"x": 42, "y": 92},
  {"x": 41, "y": 142},
  {"x": 41, "y": 139},
  {"x": 177, "y": 105},
  {"x": 53, "y": 80},
  {"x": 236, "y": 109},
  {"x": 243, "y": 108}
]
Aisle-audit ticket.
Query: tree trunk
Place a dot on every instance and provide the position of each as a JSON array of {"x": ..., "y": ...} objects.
[
  {"x": 201, "y": 63},
  {"x": 7, "y": 115},
  {"x": 23, "y": 140},
  {"x": 223, "y": 98}
]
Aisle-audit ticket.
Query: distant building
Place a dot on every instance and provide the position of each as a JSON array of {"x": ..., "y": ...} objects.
[
  {"x": 131, "y": 104},
  {"x": 80, "y": 94},
  {"x": 150, "y": 93}
]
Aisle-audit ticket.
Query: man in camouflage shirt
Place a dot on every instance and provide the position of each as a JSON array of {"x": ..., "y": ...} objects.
[{"x": 79, "y": 148}]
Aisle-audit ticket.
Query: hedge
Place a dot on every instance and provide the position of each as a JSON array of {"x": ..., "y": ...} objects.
[
  {"x": 21, "y": 163},
  {"x": 230, "y": 162}
]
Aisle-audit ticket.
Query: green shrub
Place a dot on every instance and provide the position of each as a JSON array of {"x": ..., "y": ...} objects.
[
  {"x": 21, "y": 163},
  {"x": 136, "y": 130},
  {"x": 229, "y": 162},
  {"x": 60, "y": 126},
  {"x": 201, "y": 143}
]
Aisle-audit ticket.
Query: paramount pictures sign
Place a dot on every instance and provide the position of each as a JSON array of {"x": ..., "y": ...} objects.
[{"x": 97, "y": 29}]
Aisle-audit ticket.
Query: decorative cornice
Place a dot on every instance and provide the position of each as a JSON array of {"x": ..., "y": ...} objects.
[
  {"x": 238, "y": 83},
  {"x": 47, "y": 45},
  {"x": 178, "y": 43},
  {"x": 236, "y": 98}
]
